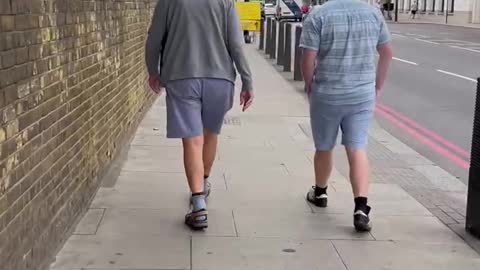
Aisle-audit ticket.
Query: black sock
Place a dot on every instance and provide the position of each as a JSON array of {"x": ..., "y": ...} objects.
[
  {"x": 205, "y": 177},
  {"x": 320, "y": 191},
  {"x": 361, "y": 203},
  {"x": 197, "y": 194}
]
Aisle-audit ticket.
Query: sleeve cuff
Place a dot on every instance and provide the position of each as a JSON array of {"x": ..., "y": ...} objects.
[{"x": 247, "y": 86}]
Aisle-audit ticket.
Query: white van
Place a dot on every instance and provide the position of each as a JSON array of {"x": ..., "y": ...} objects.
[
  {"x": 270, "y": 8},
  {"x": 289, "y": 10}
]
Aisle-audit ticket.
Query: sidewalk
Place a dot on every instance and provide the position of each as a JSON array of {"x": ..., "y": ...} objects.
[
  {"x": 259, "y": 219},
  {"x": 453, "y": 20}
]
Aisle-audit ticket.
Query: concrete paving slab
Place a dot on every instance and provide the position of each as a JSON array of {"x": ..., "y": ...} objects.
[
  {"x": 251, "y": 199},
  {"x": 161, "y": 182},
  {"x": 266, "y": 254},
  {"x": 390, "y": 142},
  {"x": 124, "y": 252},
  {"x": 379, "y": 189},
  {"x": 228, "y": 143},
  {"x": 441, "y": 178},
  {"x": 243, "y": 171},
  {"x": 153, "y": 165},
  {"x": 258, "y": 156},
  {"x": 283, "y": 183},
  {"x": 155, "y": 130},
  {"x": 413, "y": 228},
  {"x": 293, "y": 145},
  {"x": 155, "y": 152},
  {"x": 150, "y": 140},
  {"x": 397, "y": 255},
  {"x": 162, "y": 222},
  {"x": 383, "y": 204},
  {"x": 90, "y": 222},
  {"x": 282, "y": 223},
  {"x": 147, "y": 199}
]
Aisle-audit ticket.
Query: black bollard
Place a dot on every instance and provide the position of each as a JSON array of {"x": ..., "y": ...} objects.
[
  {"x": 273, "y": 52},
  {"x": 281, "y": 44},
  {"x": 473, "y": 198},
  {"x": 268, "y": 44},
  {"x": 262, "y": 35},
  {"x": 297, "y": 72},
  {"x": 287, "y": 60}
]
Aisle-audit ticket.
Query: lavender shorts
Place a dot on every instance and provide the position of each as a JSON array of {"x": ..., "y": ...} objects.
[{"x": 195, "y": 105}]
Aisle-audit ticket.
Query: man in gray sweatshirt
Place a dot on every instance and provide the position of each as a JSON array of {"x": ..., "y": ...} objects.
[{"x": 192, "y": 50}]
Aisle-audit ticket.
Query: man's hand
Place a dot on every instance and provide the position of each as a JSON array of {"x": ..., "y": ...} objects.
[
  {"x": 154, "y": 83},
  {"x": 246, "y": 99},
  {"x": 378, "y": 91}
]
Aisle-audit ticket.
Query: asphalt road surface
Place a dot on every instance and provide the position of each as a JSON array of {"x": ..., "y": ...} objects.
[{"x": 428, "y": 101}]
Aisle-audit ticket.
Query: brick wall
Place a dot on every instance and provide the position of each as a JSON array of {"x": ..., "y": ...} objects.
[{"x": 72, "y": 88}]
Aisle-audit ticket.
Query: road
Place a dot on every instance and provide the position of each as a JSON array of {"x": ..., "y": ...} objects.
[{"x": 429, "y": 98}]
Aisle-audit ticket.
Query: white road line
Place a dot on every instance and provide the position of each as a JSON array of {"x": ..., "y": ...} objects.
[
  {"x": 405, "y": 61},
  {"x": 427, "y": 41},
  {"x": 398, "y": 35},
  {"x": 456, "y": 75},
  {"x": 455, "y": 44},
  {"x": 417, "y": 35},
  {"x": 465, "y": 49}
]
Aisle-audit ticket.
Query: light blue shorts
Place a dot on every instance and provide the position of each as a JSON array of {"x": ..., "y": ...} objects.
[
  {"x": 195, "y": 105},
  {"x": 354, "y": 121}
]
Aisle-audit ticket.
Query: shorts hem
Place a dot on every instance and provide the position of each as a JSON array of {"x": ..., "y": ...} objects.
[
  {"x": 183, "y": 136},
  {"x": 355, "y": 146}
]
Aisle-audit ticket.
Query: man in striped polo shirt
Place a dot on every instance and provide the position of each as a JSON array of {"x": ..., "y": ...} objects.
[{"x": 340, "y": 40}]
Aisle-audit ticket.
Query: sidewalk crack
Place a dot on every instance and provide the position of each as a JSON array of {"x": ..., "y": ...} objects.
[
  {"x": 225, "y": 181},
  {"x": 191, "y": 252},
  {"x": 234, "y": 224},
  {"x": 339, "y": 256}
]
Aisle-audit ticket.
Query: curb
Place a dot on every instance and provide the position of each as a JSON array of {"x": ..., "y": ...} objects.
[{"x": 442, "y": 24}]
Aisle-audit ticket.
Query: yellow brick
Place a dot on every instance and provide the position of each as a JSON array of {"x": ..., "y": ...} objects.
[
  {"x": 12, "y": 128},
  {"x": 4, "y": 184},
  {"x": 7, "y": 23},
  {"x": 3, "y": 135}
]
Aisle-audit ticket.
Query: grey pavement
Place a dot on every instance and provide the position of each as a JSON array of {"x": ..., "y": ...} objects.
[
  {"x": 258, "y": 215},
  {"x": 458, "y": 19}
]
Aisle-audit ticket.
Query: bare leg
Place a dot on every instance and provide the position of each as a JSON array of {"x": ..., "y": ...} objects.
[
  {"x": 323, "y": 167},
  {"x": 358, "y": 161},
  {"x": 209, "y": 151},
  {"x": 193, "y": 162}
]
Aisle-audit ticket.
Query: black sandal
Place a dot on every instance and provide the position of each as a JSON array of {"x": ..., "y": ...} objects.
[{"x": 197, "y": 220}]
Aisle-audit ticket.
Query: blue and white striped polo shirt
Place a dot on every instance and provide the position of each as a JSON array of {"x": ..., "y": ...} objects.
[{"x": 346, "y": 34}]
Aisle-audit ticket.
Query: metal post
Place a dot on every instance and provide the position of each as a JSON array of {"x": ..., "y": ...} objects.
[
  {"x": 446, "y": 11},
  {"x": 262, "y": 35},
  {"x": 473, "y": 197},
  {"x": 297, "y": 72},
  {"x": 273, "y": 52},
  {"x": 396, "y": 10},
  {"x": 287, "y": 61},
  {"x": 268, "y": 44},
  {"x": 281, "y": 44}
]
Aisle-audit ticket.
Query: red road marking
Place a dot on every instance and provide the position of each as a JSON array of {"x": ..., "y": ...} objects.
[
  {"x": 422, "y": 138},
  {"x": 459, "y": 151}
]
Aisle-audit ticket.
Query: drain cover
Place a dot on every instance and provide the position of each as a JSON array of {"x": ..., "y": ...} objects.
[{"x": 232, "y": 121}]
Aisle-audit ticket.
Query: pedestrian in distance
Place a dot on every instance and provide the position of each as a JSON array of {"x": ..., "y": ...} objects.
[
  {"x": 414, "y": 9},
  {"x": 339, "y": 42},
  {"x": 193, "y": 49},
  {"x": 378, "y": 4}
]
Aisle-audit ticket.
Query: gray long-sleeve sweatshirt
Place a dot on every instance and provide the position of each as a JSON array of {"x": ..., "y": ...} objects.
[{"x": 196, "y": 39}]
